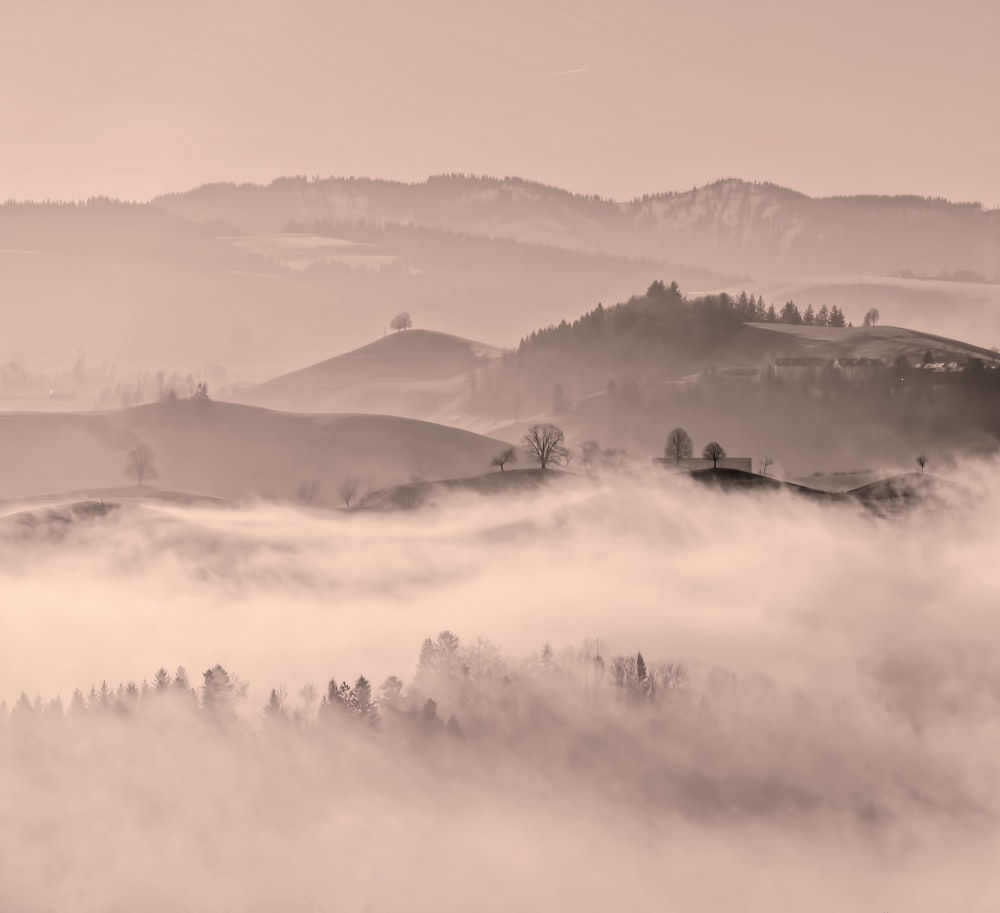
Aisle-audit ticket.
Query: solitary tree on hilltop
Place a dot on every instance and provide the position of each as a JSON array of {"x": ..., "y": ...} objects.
[
  {"x": 401, "y": 321},
  {"x": 141, "y": 464},
  {"x": 679, "y": 445},
  {"x": 765, "y": 464},
  {"x": 504, "y": 457},
  {"x": 921, "y": 462},
  {"x": 713, "y": 451},
  {"x": 872, "y": 317},
  {"x": 545, "y": 444}
]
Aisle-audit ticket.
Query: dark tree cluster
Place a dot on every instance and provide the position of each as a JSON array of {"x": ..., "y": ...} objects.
[
  {"x": 631, "y": 347},
  {"x": 664, "y": 314}
]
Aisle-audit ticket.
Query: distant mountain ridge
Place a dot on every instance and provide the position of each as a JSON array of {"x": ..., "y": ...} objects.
[{"x": 730, "y": 225}]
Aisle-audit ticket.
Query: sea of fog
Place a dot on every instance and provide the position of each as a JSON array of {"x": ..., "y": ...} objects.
[{"x": 850, "y": 761}]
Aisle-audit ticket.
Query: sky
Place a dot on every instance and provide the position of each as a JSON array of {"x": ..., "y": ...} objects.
[{"x": 615, "y": 98}]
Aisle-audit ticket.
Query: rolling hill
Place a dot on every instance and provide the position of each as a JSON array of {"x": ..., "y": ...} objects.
[
  {"x": 885, "y": 497},
  {"x": 231, "y": 451},
  {"x": 956, "y": 309},
  {"x": 883, "y": 342},
  {"x": 106, "y": 293},
  {"x": 416, "y": 374}
]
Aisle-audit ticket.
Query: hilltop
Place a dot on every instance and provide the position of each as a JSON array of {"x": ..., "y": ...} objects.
[
  {"x": 231, "y": 450},
  {"x": 950, "y": 308},
  {"x": 415, "y": 373},
  {"x": 886, "y": 343},
  {"x": 883, "y": 497},
  {"x": 765, "y": 229}
]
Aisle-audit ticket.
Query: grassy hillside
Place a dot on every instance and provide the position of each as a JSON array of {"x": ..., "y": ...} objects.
[
  {"x": 958, "y": 310},
  {"x": 625, "y": 375},
  {"x": 421, "y": 494},
  {"x": 416, "y": 373},
  {"x": 231, "y": 451},
  {"x": 884, "y": 342},
  {"x": 884, "y": 497}
]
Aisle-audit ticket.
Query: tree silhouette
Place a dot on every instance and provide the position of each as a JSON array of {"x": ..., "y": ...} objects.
[
  {"x": 545, "y": 443},
  {"x": 921, "y": 462},
  {"x": 505, "y": 456},
  {"x": 765, "y": 464},
  {"x": 348, "y": 491},
  {"x": 141, "y": 463},
  {"x": 790, "y": 313},
  {"x": 274, "y": 709},
  {"x": 679, "y": 445},
  {"x": 360, "y": 703},
  {"x": 713, "y": 451},
  {"x": 390, "y": 695},
  {"x": 401, "y": 321},
  {"x": 218, "y": 694},
  {"x": 871, "y": 317}
]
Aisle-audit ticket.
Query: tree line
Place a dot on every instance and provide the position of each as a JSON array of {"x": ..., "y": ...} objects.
[{"x": 456, "y": 689}]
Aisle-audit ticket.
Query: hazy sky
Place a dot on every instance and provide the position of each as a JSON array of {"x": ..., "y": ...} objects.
[{"x": 618, "y": 98}]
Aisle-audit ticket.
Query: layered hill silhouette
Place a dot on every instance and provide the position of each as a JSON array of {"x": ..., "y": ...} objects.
[
  {"x": 730, "y": 225},
  {"x": 416, "y": 373},
  {"x": 137, "y": 288},
  {"x": 232, "y": 451}
]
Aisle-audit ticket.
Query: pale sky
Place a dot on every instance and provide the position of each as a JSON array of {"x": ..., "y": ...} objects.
[{"x": 132, "y": 98}]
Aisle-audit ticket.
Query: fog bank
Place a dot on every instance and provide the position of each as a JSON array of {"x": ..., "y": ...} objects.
[{"x": 834, "y": 742}]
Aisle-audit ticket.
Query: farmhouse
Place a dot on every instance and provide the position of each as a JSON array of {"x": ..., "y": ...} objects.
[
  {"x": 855, "y": 369},
  {"x": 800, "y": 369}
]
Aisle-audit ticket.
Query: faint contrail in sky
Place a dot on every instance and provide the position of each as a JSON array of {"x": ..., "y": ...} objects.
[{"x": 569, "y": 72}]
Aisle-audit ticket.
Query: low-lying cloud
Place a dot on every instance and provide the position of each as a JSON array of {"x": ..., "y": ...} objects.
[{"x": 834, "y": 747}]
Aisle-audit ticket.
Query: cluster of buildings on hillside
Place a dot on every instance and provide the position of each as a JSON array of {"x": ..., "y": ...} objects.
[{"x": 805, "y": 369}]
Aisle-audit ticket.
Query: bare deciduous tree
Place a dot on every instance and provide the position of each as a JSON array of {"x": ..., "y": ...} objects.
[
  {"x": 872, "y": 317},
  {"x": 679, "y": 445},
  {"x": 765, "y": 464},
  {"x": 504, "y": 457},
  {"x": 713, "y": 451},
  {"x": 141, "y": 463},
  {"x": 348, "y": 490},
  {"x": 545, "y": 444},
  {"x": 921, "y": 462},
  {"x": 401, "y": 321}
]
